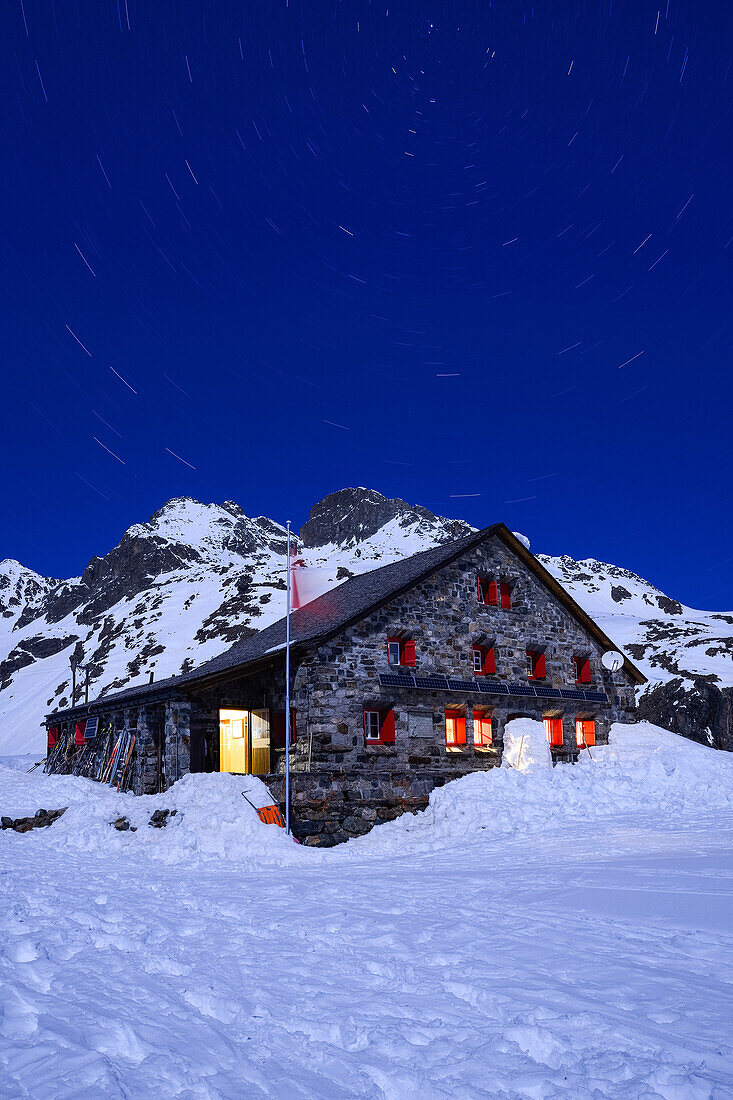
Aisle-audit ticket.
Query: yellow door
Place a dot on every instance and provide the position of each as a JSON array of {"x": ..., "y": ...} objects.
[{"x": 234, "y": 741}]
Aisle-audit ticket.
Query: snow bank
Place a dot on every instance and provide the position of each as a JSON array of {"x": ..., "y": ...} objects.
[
  {"x": 525, "y": 745},
  {"x": 644, "y": 767},
  {"x": 214, "y": 821}
]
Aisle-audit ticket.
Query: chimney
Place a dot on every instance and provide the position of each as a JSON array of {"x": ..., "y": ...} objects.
[{"x": 152, "y": 674}]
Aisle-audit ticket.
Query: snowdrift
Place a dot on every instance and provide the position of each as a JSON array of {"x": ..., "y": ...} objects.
[
  {"x": 214, "y": 822},
  {"x": 644, "y": 767},
  {"x": 525, "y": 746}
]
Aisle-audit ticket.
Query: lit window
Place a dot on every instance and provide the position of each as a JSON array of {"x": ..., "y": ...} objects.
[
  {"x": 585, "y": 732},
  {"x": 455, "y": 730},
  {"x": 482, "y": 732},
  {"x": 553, "y": 729}
]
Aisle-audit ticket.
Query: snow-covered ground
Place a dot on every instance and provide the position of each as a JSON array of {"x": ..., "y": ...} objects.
[{"x": 538, "y": 932}]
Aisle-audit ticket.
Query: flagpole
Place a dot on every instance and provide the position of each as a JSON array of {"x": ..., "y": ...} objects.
[{"x": 287, "y": 691}]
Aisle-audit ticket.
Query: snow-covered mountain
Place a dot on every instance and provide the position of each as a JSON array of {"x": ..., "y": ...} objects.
[{"x": 181, "y": 588}]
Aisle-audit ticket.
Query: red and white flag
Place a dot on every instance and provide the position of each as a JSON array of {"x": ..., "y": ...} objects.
[{"x": 303, "y": 582}]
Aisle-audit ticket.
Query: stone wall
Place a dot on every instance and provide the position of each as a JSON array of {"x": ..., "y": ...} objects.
[
  {"x": 328, "y": 808},
  {"x": 442, "y": 615}
]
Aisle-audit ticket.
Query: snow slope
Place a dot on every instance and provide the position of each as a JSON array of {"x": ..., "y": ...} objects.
[
  {"x": 662, "y": 636},
  {"x": 181, "y": 588},
  {"x": 548, "y": 933}
]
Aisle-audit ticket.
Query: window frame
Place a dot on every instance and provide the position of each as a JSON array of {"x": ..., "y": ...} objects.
[
  {"x": 581, "y": 666},
  {"x": 368, "y": 715},
  {"x": 406, "y": 650},
  {"x": 386, "y": 725},
  {"x": 486, "y": 587},
  {"x": 536, "y": 659},
  {"x": 481, "y": 720},
  {"x": 486, "y": 659}
]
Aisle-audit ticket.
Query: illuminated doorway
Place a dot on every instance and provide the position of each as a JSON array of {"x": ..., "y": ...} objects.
[{"x": 244, "y": 741}]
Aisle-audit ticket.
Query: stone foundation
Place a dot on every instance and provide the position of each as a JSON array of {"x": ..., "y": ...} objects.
[{"x": 328, "y": 808}]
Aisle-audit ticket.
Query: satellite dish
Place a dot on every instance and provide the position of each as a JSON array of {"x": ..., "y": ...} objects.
[{"x": 612, "y": 660}]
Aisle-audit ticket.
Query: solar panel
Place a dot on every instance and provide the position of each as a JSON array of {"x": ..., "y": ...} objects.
[
  {"x": 547, "y": 692},
  {"x": 595, "y": 697},
  {"x": 522, "y": 689},
  {"x": 493, "y": 687},
  {"x": 396, "y": 679},
  {"x": 462, "y": 685},
  {"x": 431, "y": 682},
  {"x": 568, "y": 694},
  {"x": 90, "y": 730}
]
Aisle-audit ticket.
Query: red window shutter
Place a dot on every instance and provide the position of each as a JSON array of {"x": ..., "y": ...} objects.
[
  {"x": 584, "y": 677},
  {"x": 460, "y": 729},
  {"x": 506, "y": 594},
  {"x": 589, "y": 732},
  {"x": 79, "y": 732},
  {"x": 277, "y": 731},
  {"x": 408, "y": 653},
  {"x": 386, "y": 729},
  {"x": 53, "y": 736},
  {"x": 539, "y": 668},
  {"x": 493, "y": 600},
  {"x": 293, "y": 729},
  {"x": 490, "y": 661}
]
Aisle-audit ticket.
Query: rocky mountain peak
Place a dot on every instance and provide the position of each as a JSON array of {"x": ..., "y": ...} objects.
[
  {"x": 19, "y": 587},
  {"x": 351, "y": 516}
]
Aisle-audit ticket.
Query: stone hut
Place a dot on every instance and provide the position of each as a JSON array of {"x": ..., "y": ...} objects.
[{"x": 401, "y": 679}]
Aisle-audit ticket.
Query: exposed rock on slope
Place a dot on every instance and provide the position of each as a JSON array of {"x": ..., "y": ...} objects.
[
  {"x": 351, "y": 516},
  {"x": 701, "y": 711},
  {"x": 181, "y": 588}
]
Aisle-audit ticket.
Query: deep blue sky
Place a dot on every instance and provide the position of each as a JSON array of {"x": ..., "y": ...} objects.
[{"x": 473, "y": 255}]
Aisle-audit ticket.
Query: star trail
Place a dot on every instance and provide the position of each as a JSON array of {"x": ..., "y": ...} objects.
[{"x": 472, "y": 255}]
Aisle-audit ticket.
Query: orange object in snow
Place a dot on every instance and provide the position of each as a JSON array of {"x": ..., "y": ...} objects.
[{"x": 271, "y": 816}]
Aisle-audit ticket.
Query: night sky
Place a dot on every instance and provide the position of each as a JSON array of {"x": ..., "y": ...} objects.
[{"x": 473, "y": 255}]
